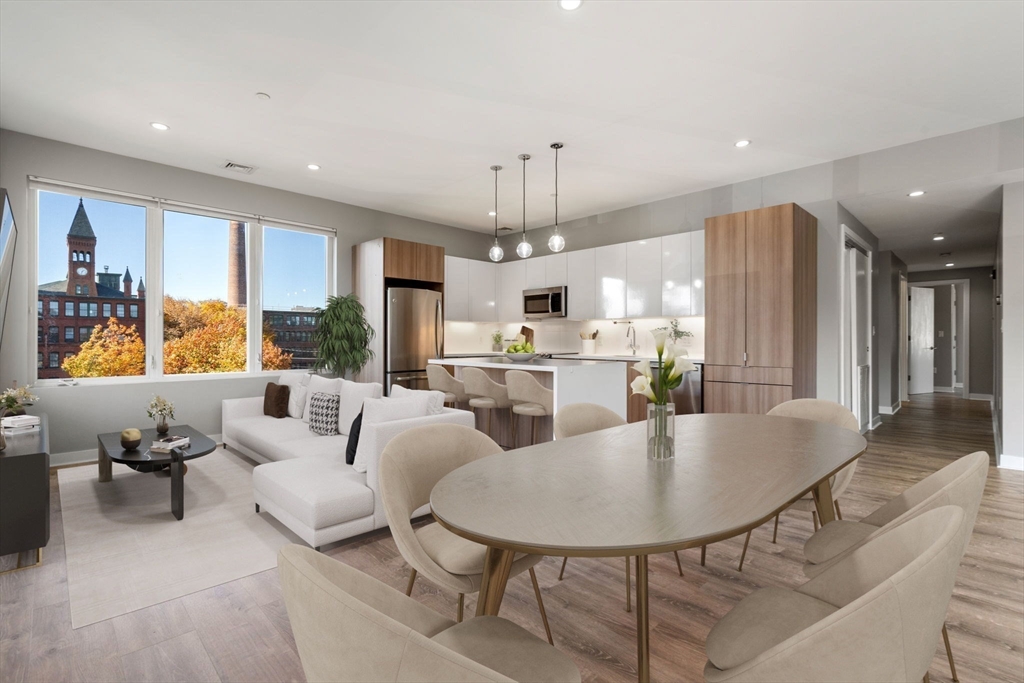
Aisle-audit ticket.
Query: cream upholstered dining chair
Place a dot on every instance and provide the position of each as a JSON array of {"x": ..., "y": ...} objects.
[
  {"x": 439, "y": 379},
  {"x": 349, "y": 626},
  {"x": 818, "y": 410},
  {"x": 528, "y": 398},
  {"x": 583, "y": 418},
  {"x": 961, "y": 483},
  {"x": 410, "y": 466},
  {"x": 873, "y": 616},
  {"x": 485, "y": 393}
]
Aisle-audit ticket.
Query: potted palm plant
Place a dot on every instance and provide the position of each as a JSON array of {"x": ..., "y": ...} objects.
[
  {"x": 657, "y": 388},
  {"x": 342, "y": 336}
]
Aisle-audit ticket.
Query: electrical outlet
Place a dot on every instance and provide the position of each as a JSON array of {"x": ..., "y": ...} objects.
[{"x": 941, "y": 334}]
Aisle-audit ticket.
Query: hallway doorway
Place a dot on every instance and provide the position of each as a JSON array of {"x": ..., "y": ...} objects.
[{"x": 938, "y": 338}]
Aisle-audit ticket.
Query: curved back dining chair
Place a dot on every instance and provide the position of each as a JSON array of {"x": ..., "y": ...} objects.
[
  {"x": 873, "y": 616},
  {"x": 410, "y": 466},
  {"x": 530, "y": 398},
  {"x": 484, "y": 393},
  {"x": 439, "y": 379},
  {"x": 583, "y": 418},
  {"x": 349, "y": 626}
]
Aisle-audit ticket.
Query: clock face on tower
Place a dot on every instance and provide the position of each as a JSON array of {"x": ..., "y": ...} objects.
[{"x": 83, "y": 271}]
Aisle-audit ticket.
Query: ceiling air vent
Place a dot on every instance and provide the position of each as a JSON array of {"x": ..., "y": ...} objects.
[
  {"x": 504, "y": 228},
  {"x": 238, "y": 168}
]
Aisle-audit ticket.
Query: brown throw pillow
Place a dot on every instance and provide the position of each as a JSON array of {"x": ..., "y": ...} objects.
[{"x": 275, "y": 400}]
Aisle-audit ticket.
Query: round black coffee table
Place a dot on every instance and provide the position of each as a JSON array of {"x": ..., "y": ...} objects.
[{"x": 143, "y": 460}]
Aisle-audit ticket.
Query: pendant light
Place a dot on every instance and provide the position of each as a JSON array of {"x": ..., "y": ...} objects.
[
  {"x": 556, "y": 242},
  {"x": 525, "y": 248},
  {"x": 496, "y": 253}
]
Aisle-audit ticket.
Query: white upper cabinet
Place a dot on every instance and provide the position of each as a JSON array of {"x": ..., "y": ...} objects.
[
  {"x": 580, "y": 282},
  {"x": 511, "y": 283},
  {"x": 609, "y": 281},
  {"x": 483, "y": 301},
  {"x": 676, "y": 285},
  {"x": 643, "y": 278},
  {"x": 555, "y": 270},
  {"x": 697, "y": 272},
  {"x": 536, "y": 272},
  {"x": 456, "y": 288}
]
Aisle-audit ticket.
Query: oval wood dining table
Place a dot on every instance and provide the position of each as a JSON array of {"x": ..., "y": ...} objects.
[{"x": 597, "y": 494}]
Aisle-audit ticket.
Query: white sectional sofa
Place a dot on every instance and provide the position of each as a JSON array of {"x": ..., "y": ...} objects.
[{"x": 304, "y": 481}]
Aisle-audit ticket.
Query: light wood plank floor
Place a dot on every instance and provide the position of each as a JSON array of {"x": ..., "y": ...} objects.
[{"x": 239, "y": 631}]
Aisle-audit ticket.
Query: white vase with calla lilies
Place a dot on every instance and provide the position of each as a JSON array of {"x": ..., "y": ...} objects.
[{"x": 656, "y": 386}]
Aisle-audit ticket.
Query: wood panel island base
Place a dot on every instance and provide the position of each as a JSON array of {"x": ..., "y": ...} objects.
[{"x": 573, "y": 381}]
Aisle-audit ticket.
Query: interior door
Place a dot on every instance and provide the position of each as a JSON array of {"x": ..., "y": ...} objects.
[
  {"x": 922, "y": 340},
  {"x": 862, "y": 339}
]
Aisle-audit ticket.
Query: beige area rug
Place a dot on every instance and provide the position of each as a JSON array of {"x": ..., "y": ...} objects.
[{"x": 125, "y": 550}]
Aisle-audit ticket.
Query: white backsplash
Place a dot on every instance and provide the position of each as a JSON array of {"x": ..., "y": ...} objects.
[{"x": 563, "y": 336}]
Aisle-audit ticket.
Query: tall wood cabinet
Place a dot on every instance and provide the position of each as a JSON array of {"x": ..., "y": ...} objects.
[{"x": 761, "y": 309}]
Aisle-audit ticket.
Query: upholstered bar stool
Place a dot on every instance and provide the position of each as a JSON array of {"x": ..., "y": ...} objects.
[
  {"x": 484, "y": 393},
  {"x": 439, "y": 379},
  {"x": 528, "y": 398}
]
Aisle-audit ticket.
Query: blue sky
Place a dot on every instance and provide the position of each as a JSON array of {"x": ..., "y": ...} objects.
[{"x": 195, "y": 251}]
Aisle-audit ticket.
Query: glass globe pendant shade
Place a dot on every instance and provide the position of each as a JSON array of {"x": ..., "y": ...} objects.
[
  {"x": 556, "y": 243},
  {"x": 524, "y": 249},
  {"x": 496, "y": 253}
]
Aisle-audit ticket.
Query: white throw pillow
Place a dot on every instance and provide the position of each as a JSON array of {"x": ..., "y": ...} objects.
[
  {"x": 352, "y": 396},
  {"x": 296, "y": 383},
  {"x": 436, "y": 397},
  {"x": 377, "y": 410},
  {"x": 318, "y": 384}
]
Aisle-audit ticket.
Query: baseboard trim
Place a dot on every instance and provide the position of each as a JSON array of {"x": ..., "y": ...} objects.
[
  {"x": 943, "y": 390},
  {"x": 959, "y": 385},
  {"x": 980, "y": 397},
  {"x": 876, "y": 421},
  {"x": 74, "y": 458},
  {"x": 890, "y": 410},
  {"x": 1010, "y": 462}
]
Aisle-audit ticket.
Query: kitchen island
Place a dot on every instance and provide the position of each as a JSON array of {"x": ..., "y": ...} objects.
[{"x": 573, "y": 381}]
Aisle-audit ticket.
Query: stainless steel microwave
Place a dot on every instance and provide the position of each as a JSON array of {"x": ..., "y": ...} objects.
[{"x": 548, "y": 302}]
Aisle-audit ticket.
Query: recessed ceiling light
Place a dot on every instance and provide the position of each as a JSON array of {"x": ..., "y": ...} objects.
[
  {"x": 938, "y": 237},
  {"x": 160, "y": 126},
  {"x": 949, "y": 265},
  {"x": 742, "y": 143},
  {"x": 570, "y": 4},
  {"x": 916, "y": 193},
  {"x": 313, "y": 167},
  {"x": 492, "y": 213},
  {"x": 262, "y": 96}
]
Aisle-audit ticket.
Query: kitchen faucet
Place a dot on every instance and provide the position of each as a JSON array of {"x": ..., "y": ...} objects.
[{"x": 631, "y": 337}]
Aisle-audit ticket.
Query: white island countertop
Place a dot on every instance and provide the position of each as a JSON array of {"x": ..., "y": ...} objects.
[
  {"x": 618, "y": 358},
  {"x": 504, "y": 363}
]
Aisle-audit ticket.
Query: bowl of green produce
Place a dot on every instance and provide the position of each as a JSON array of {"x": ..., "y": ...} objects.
[{"x": 521, "y": 352}]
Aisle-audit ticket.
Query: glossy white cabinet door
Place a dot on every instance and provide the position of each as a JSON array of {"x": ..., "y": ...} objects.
[
  {"x": 456, "y": 288},
  {"x": 555, "y": 270},
  {"x": 511, "y": 283},
  {"x": 643, "y": 278},
  {"x": 536, "y": 272},
  {"x": 580, "y": 283},
  {"x": 483, "y": 304},
  {"x": 676, "y": 296},
  {"x": 697, "y": 272},
  {"x": 609, "y": 281}
]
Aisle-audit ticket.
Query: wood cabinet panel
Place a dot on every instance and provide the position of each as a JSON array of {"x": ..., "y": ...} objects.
[
  {"x": 413, "y": 261},
  {"x": 580, "y": 283},
  {"x": 725, "y": 289},
  {"x": 748, "y": 375},
  {"x": 456, "y": 288},
  {"x": 805, "y": 304},
  {"x": 723, "y": 397},
  {"x": 676, "y": 281},
  {"x": 769, "y": 257},
  {"x": 760, "y": 398}
]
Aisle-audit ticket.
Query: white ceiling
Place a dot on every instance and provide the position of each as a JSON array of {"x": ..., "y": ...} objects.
[{"x": 406, "y": 105}]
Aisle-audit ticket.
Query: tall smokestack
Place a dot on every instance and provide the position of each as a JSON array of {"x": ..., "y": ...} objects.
[{"x": 236, "y": 264}]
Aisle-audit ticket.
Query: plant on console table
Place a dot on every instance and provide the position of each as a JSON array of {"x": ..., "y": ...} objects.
[
  {"x": 656, "y": 386},
  {"x": 14, "y": 401},
  {"x": 342, "y": 336},
  {"x": 160, "y": 409}
]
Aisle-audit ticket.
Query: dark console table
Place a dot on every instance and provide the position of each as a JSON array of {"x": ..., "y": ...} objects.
[{"x": 25, "y": 493}]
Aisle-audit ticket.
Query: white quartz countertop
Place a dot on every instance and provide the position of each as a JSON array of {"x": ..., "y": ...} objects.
[
  {"x": 618, "y": 358},
  {"x": 503, "y": 363}
]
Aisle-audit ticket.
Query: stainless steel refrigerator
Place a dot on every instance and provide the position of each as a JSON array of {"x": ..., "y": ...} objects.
[{"x": 415, "y": 334}]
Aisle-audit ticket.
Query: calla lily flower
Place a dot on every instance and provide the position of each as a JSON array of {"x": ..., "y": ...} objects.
[
  {"x": 644, "y": 368},
  {"x": 660, "y": 336},
  {"x": 642, "y": 385}
]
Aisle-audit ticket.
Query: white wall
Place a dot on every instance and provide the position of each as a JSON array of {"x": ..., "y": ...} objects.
[
  {"x": 78, "y": 413},
  {"x": 1011, "y": 401}
]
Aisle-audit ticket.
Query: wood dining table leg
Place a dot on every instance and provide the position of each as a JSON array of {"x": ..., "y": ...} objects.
[
  {"x": 643, "y": 634},
  {"x": 497, "y": 566},
  {"x": 824, "y": 503}
]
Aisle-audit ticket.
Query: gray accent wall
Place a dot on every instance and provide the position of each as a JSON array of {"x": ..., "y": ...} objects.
[
  {"x": 1010, "y": 321},
  {"x": 77, "y": 413},
  {"x": 886, "y": 285}
]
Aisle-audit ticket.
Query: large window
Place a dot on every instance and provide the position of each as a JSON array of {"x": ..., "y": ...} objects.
[
  {"x": 214, "y": 279},
  {"x": 291, "y": 292}
]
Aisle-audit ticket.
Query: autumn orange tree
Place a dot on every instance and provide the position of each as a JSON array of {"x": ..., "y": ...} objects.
[{"x": 114, "y": 350}]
